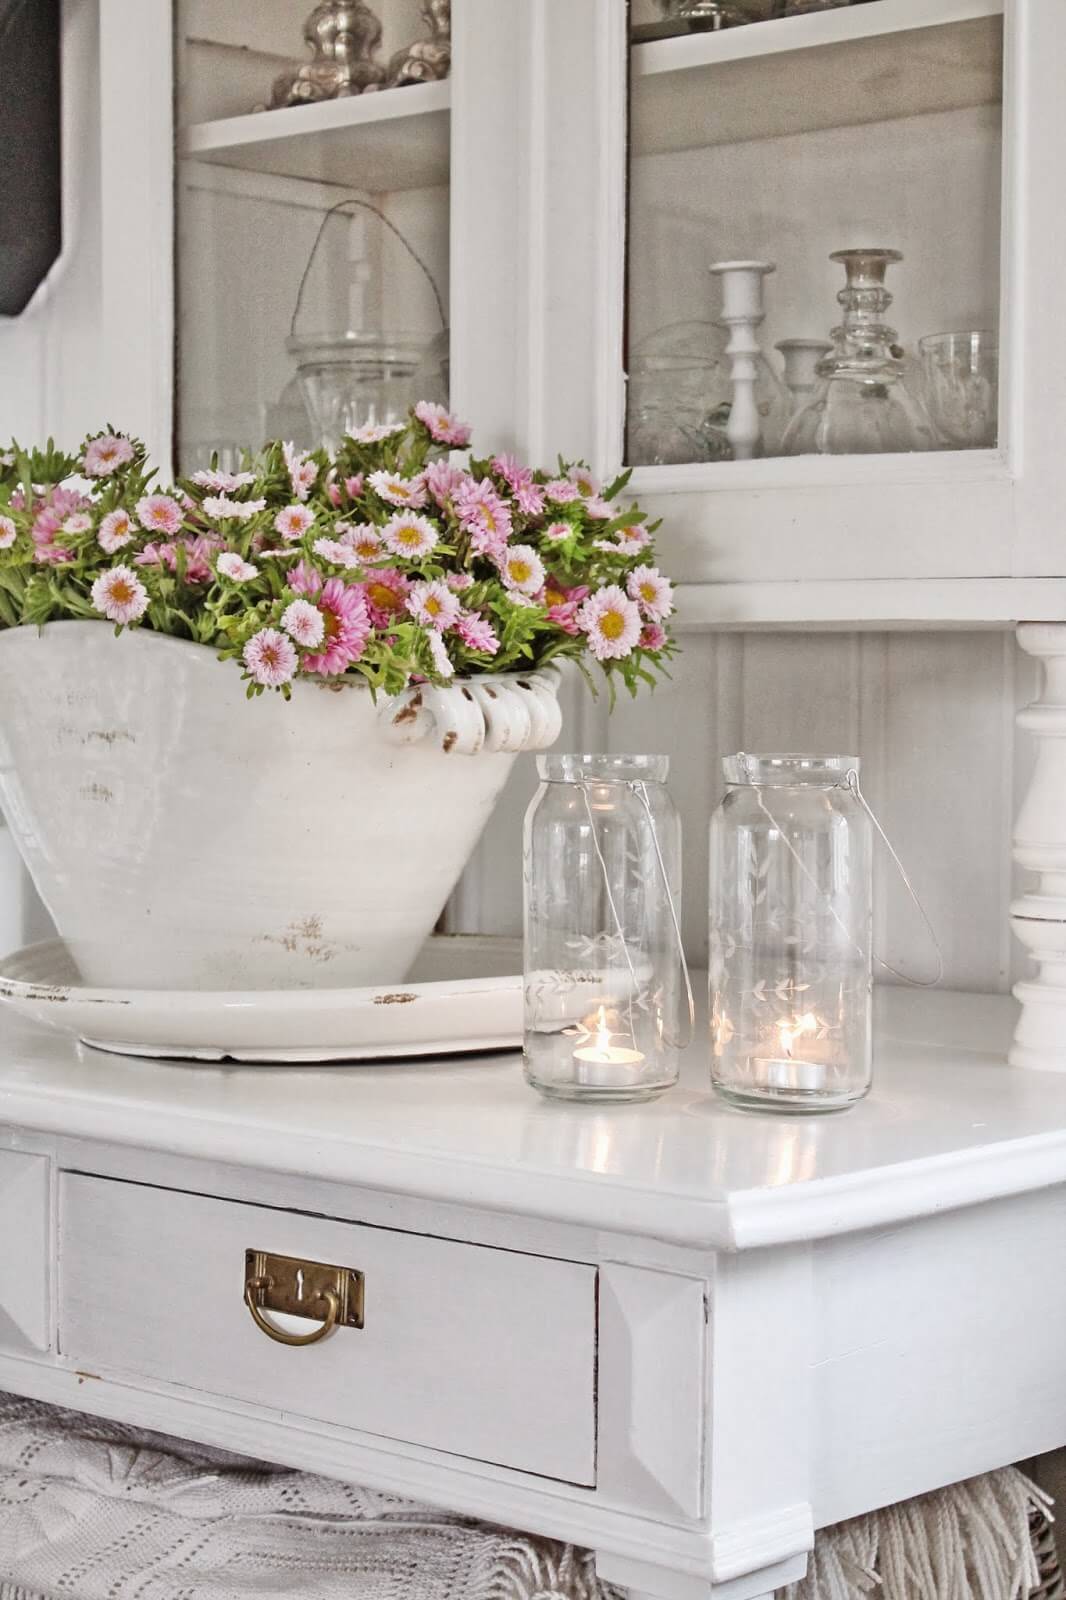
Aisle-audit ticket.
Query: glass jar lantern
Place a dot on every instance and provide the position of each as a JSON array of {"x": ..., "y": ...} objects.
[
  {"x": 791, "y": 934},
  {"x": 604, "y": 975}
]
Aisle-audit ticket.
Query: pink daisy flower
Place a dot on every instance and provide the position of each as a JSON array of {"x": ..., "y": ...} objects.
[
  {"x": 302, "y": 472},
  {"x": 562, "y": 491},
  {"x": 305, "y": 579},
  {"x": 611, "y": 622},
  {"x": 292, "y": 522},
  {"x": 52, "y": 555},
  {"x": 114, "y": 531},
  {"x": 459, "y": 582},
  {"x": 529, "y": 498},
  {"x": 653, "y": 637},
  {"x": 199, "y": 557},
  {"x": 632, "y": 537},
  {"x": 441, "y": 426},
  {"x": 443, "y": 481},
  {"x": 363, "y": 540},
  {"x": 106, "y": 454},
  {"x": 120, "y": 595},
  {"x": 270, "y": 658},
  {"x": 477, "y": 633},
  {"x": 374, "y": 432},
  {"x": 223, "y": 482},
  {"x": 398, "y": 490},
  {"x": 563, "y": 605},
  {"x": 347, "y": 628},
  {"x": 77, "y": 522},
  {"x": 556, "y": 532},
  {"x": 353, "y": 487},
  {"x": 598, "y": 509},
  {"x": 442, "y": 661},
  {"x": 485, "y": 516},
  {"x": 586, "y": 484},
  {"x": 653, "y": 593},
  {"x": 409, "y": 535},
  {"x": 521, "y": 568},
  {"x": 8, "y": 532},
  {"x": 159, "y": 513},
  {"x": 305, "y": 623},
  {"x": 386, "y": 596},
  {"x": 233, "y": 566},
  {"x": 337, "y": 554},
  {"x": 433, "y": 605}
]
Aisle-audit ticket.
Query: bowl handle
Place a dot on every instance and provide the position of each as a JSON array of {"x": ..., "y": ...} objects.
[{"x": 508, "y": 712}]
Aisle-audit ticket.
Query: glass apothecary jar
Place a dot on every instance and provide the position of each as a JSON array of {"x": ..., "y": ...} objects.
[
  {"x": 791, "y": 934},
  {"x": 604, "y": 978}
]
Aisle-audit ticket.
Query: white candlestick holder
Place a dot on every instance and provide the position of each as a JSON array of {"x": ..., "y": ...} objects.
[{"x": 742, "y": 313}]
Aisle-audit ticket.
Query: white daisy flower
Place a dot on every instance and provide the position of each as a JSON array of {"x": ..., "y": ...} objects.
[
  {"x": 233, "y": 566},
  {"x": 120, "y": 595},
  {"x": 409, "y": 535}
]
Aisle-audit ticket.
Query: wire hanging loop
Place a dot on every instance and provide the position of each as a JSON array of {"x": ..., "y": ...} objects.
[
  {"x": 639, "y": 789},
  {"x": 918, "y": 983},
  {"x": 853, "y": 787},
  {"x": 365, "y": 205}
]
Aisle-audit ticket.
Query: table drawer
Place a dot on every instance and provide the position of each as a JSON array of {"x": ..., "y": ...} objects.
[{"x": 477, "y": 1351}]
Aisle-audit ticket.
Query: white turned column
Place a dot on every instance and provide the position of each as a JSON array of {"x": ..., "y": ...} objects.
[
  {"x": 1039, "y": 916},
  {"x": 742, "y": 312}
]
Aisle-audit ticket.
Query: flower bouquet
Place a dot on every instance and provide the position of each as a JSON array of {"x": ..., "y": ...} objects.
[
  {"x": 387, "y": 561},
  {"x": 184, "y": 841}
]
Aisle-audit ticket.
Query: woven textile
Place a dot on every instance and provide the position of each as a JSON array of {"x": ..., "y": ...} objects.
[{"x": 90, "y": 1510}]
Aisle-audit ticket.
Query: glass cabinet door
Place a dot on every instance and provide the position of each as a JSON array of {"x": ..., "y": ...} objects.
[
  {"x": 312, "y": 222},
  {"x": 814, "y": 229}
]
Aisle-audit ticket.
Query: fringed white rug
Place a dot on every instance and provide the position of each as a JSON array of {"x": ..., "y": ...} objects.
[
  {"x": 91, "y": 1510},
  {"x": 969, "y": 1541}
]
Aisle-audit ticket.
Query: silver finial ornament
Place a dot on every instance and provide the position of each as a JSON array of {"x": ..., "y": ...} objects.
[{"x": 343, "y": 36}]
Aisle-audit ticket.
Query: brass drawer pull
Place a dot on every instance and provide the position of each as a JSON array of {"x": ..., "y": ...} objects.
[{"x": 302, "y": 1289}]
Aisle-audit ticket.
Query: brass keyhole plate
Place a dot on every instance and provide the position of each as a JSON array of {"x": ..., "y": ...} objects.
[{"x": 297, "y": 1288}]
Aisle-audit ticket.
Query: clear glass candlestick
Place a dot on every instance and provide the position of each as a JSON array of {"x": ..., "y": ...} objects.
[
  {"x": 862, "y": 404},
  {"x": 791, "y": 934},
  {"x": 604, "y": 976}
]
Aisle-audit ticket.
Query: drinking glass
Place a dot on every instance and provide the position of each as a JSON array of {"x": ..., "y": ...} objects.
[{"x": 961, "y": 375}]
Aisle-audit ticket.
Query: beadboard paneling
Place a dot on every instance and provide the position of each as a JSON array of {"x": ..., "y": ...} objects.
[{"x": 930, "y": 714}]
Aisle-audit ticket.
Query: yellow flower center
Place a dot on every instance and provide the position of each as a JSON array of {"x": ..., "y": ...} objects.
[
  {"x": 611, "y": 624},
  {"x": 384, "y": 598},
  {"x": 554, "y": 597},
  {"x": 410, "y": 538},
  {"x": 400, "y": 489},
  {"x": 271, "y": 655},
  {"x": 121, "y": 591},
  {"x": 647, "y": 592},
  {"x": 490, "y": 520},
  {"x": 366, "y": 549},
  {"x": 433, "y": 605},
  {"x": 520, "y": 571}
]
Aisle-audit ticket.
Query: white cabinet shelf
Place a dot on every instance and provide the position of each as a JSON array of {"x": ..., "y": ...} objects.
[
  {"x": 850, "y": 605},
  {"x": 869, "y": 63},
  {"x": 393, "y": 140}
]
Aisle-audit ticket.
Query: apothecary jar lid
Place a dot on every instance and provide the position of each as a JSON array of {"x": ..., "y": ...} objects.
[
  {"x": 589, "y": 767},
  {"x": 786, "y": 770}
]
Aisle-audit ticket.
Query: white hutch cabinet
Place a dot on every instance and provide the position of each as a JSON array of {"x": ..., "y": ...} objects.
[{"x": 573, "y": 189}]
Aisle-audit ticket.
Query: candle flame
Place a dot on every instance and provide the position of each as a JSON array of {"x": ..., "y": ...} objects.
[
  {"x": 603, "y": 1032},
  {"x": 795, "y": 1029}
]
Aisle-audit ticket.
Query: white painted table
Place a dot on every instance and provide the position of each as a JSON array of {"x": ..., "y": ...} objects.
[{"x": 681, "y": 1335}]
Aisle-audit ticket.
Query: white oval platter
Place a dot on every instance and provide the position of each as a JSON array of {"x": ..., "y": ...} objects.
[{"x": 457, "y": 1000}]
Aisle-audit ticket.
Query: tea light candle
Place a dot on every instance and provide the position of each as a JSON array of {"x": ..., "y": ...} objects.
[
  {"x": 787, "y": 1070},
  {"x": 606, "y": 1063}
]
